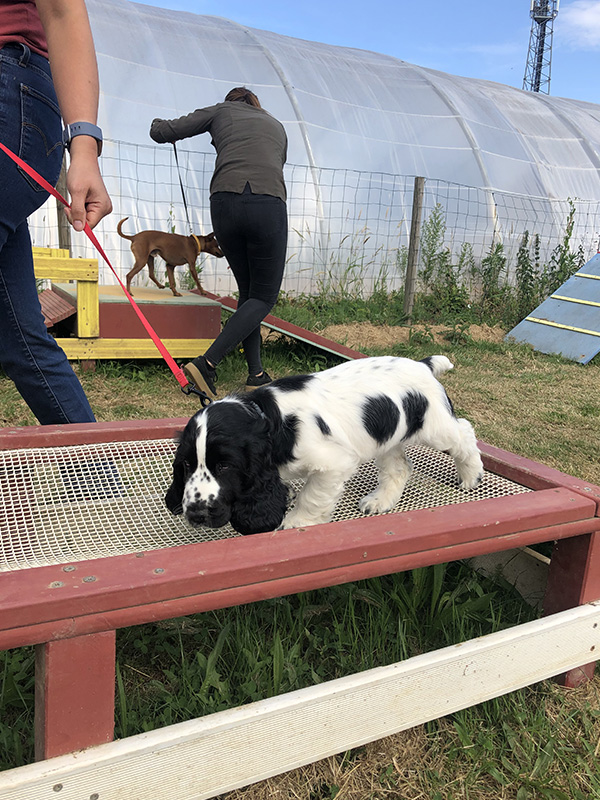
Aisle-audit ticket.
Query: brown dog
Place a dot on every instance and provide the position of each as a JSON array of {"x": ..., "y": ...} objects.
[{"x": 173, "y": 248}]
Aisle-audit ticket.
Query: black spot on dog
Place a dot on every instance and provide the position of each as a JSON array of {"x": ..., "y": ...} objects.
[
  {"x": 284, "y": 443},
  {"x": 428, "y": 362},
  {"x": 380, "y": 417},
  {"x": 323, "y": 426},
  {"x": 415, "y": 406},
  {"x": 292, "y": 383}
]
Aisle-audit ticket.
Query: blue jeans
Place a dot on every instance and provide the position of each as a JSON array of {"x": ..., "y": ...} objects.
[{"x": 30, "y": 126}]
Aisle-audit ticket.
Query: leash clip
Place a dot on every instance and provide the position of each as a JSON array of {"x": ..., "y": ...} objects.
[{"x": 189, "y": 388}]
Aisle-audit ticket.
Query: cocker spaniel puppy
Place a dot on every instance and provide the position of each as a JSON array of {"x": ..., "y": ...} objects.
[{"x": 235, "y": 455}]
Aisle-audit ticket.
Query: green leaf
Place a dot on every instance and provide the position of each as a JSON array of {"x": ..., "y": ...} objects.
[{"x": 544, "y": 759}]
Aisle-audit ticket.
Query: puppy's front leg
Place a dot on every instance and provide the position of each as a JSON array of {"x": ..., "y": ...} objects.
[{"x": 316, "y": 500}]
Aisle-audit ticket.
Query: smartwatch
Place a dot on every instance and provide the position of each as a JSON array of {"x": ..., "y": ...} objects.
[{"x": 82, "y": 129}]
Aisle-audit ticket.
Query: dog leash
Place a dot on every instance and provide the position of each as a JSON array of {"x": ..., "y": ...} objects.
[
  {"x": 187, "y": 215},
  {"x": 186, "y": 387}
]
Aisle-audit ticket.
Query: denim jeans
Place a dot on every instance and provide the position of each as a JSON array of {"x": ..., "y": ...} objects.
[
  {"x": 30, "y": 126},
  {"x": 252, "y": 233}
]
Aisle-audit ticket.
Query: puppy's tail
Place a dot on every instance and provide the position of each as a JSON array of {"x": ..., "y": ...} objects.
[
  {"x": 123, "y": 235},
  {"x": 438, "y": 364}
]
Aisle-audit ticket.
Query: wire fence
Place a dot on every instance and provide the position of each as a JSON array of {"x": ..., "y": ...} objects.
[{"x": 346, "y": 228}]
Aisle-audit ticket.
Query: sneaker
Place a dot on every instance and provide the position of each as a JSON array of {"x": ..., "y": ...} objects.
[
  {"x": 254, "y": 381},
  {"x": 200, "y": 373}
]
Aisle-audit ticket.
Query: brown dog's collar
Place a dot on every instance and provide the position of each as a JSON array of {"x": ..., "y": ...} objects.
[{"x": 198, "y": 245}]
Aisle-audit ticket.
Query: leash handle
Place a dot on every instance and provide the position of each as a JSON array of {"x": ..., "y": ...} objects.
[{"x": 177, "y": 371}]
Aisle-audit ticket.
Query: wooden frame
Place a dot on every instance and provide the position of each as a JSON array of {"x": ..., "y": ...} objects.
[
  {"x": 70, "y": 612},
  {"x": 57, "y": 265},
  {"x": 88, "y": 344},
  {"x": 205, "y": 757}
]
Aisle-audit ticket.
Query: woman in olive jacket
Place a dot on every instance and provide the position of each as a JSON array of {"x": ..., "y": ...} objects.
[{"x": 249, "y": 217}]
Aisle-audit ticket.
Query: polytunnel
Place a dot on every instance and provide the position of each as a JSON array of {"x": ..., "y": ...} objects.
[{"x": 361, "y": 125}]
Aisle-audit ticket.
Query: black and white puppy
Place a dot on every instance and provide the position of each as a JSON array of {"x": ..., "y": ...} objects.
[{"x": 234, "y": 455}]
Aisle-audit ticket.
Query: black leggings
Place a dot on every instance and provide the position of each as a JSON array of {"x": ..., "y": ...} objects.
[{"x": 252, "y": 233}]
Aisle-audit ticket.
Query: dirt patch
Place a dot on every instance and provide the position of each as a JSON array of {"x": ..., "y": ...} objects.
[{"x": 366, "y": 335}]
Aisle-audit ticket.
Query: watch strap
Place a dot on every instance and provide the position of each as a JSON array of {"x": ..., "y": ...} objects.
[{"x": 82, "y": 129}]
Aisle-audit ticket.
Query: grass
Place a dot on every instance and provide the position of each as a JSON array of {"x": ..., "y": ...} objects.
[{"x": 541, "y": 742}]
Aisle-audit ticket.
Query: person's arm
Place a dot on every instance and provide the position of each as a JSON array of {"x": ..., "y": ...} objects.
[
  {"x": 75, "y": 75},
  {"x": 172, "y": 130}
]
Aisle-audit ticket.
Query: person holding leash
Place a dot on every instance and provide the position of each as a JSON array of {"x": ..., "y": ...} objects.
[
  {"x": 48, "y": 70},
  {"x": 249, "y": 218}
]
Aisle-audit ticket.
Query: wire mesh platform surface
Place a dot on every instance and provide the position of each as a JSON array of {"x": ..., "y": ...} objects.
[{"x": 81, "y": 502}]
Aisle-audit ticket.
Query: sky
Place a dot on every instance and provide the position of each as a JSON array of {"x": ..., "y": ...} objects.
[{"x": 473, "y": 39}]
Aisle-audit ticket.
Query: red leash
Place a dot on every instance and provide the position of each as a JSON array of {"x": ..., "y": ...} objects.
[{"x": 186, "y": 387}]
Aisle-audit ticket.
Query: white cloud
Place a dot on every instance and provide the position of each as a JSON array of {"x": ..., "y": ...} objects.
[{"x": 579, "y": 24}]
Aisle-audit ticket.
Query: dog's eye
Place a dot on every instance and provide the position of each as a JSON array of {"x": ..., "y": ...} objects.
[{"x": 221, "y": 468}]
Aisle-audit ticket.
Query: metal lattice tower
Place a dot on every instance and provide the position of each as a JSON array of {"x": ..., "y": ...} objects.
[{"x": 537, "y": 72}]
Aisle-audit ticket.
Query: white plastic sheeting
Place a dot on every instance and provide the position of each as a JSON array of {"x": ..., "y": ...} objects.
[
  {"x": 344, "y": 110},
  {"x": 349, "y": 108}
]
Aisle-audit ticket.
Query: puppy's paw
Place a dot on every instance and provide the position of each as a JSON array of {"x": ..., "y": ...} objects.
[
  {"x": 471, "y": 483},
  {"x": 372, "y": 504},
  {"x": 295, "y": 520}
]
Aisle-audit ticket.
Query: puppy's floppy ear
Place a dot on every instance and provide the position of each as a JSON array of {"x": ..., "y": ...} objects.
[
  {"x": 182, "y": 466},
  {"x": 174, "y": 495},
  {"x": 262, "y": 503},
  {"x": 262, "y": 507}
]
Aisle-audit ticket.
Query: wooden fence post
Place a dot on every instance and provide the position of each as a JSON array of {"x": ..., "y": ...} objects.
[{"x": 413, "y": 247}]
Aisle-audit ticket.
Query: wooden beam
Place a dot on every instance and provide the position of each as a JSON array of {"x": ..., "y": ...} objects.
[
  {"x": 76, "y": 349},
  {"x": 88, "y": 309},
  {"x": 206, "y": 757},
  {"x": 131, "y": 430},
  {"x": 574, "y": 579},
  {"x": 65, "y": 269},
  {"x": 294, "y": 331},
  {"x": 74, "y": 694},
  {"x": 59, "y": 601}
]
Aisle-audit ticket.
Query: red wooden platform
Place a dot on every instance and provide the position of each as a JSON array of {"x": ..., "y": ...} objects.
[
  {"x": 190, "y": 316},
  {"x": 71, "y": 611}
]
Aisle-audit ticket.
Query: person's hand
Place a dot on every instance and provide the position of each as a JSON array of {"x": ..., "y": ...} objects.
[
  {"x": 88, "y": 196},
  {"x": 157, "y": 132}
]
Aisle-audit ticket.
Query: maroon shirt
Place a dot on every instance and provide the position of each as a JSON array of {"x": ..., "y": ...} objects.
[{"x": 20, "y": 22}]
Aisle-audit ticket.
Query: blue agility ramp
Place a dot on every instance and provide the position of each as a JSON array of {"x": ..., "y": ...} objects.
[{"x": 568, "y": 322}]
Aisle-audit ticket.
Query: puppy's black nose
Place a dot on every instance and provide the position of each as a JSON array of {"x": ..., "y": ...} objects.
[
  {"x": 197, "y": 513},
  {"x": 200, "y": 514}
]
